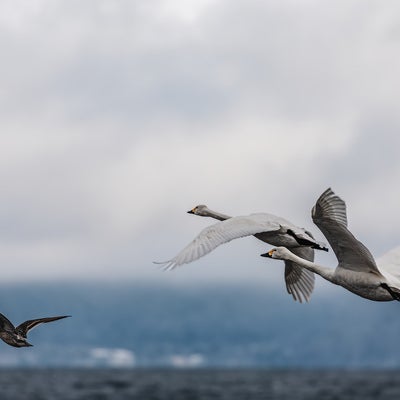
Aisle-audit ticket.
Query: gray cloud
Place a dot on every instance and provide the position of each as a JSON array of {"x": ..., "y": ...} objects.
[{"x": 118, "y": 117}]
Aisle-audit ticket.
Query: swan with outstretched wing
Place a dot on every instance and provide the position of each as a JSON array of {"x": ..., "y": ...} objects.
[
  {"x": 357, "y": 270},
  {"x": 266, "y": 227}
]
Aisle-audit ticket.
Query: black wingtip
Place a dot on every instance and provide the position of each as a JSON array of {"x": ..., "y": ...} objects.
[
  {"x": 319, "y": 246},
  {"x": 323, "y": 248}
]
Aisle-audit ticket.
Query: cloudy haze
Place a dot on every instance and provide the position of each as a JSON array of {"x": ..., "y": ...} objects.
[{"x": 118, "y": 116}]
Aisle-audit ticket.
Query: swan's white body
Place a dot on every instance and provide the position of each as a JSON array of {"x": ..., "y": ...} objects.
[
  {"x": 266, "y": 227},
  {"x": 357, "y": 270}
]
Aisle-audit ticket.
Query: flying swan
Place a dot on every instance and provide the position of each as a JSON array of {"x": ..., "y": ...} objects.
[
  {"x": 357, "y": 270},
  {"x": 266, "y": 227}
]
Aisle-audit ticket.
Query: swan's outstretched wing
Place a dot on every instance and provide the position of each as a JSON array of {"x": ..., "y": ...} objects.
[
  {"x": 300, "y": 281},
  {"x": 329, "y": 214},
  {"x": 220, "y": 233},
  {"x": 390, "y": 262},
  {"x": 26, "y": 326},
  {"x": 332, "y": 207}
]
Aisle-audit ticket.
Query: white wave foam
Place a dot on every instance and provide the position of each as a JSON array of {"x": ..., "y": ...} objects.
[
  {"x": 111, "y": 357},
  {"x": 187, "y": 361}
]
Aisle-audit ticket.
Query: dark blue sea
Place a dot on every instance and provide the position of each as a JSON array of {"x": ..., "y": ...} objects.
[{"x": 207, "y": 384}]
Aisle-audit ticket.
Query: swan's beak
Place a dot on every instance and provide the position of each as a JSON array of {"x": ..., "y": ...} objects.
[
  {"x": 269, "y": 254},
  {"x": 191, "y": 211}
]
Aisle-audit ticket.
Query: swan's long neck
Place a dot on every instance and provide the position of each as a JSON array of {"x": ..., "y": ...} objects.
[
  {"x": 216, "y": 215},
  {"x": 326, "y": 273}
]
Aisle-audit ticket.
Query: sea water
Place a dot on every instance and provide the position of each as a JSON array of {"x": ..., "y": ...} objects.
[{"x": 207, "y": 384}]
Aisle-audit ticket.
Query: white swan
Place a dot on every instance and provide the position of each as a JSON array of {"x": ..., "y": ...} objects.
[
  {"x": 299, "y": 281},
  {"x": 357, "y": 270},
  {"x": 266, "y": 227}
]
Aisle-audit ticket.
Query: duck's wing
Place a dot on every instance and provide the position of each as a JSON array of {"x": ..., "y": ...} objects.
[
  {"x": 222, "y": 232},
  {"x": 329, "y": 214},
  {"x": 6, "y": 324},
  {"x": 26, "y": 326},
  {"x": 300, "y": 281}
]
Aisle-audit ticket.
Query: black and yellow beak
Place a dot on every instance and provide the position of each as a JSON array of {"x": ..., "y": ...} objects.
[
  {"x": 269, "y": 254},
  {"x": 191, "y": 211}
]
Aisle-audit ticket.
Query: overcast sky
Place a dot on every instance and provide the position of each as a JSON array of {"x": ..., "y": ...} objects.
[{"x": 117, "y": 117}]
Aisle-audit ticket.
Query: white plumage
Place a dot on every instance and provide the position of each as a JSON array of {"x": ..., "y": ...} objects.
[
  {"x": 357, "y": 270},
  {"x": 266, "y": 227}
]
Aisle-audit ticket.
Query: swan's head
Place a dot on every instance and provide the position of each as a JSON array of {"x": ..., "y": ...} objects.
[
  {"x": 199, "y": 210},
  {"x": 278, "y": 253}
]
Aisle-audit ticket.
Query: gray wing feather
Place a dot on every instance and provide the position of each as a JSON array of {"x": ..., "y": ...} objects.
[
  {"x": 329, "y": 214},
  {"x": 300, "y": 281},
  {"x": 222, "y": 232},
  {"x": 332, "y": 206},
  {"x": 390, "y": 262}
]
